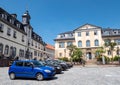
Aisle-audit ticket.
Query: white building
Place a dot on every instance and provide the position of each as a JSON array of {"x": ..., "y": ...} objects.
[{"x": 18, "y": 38}]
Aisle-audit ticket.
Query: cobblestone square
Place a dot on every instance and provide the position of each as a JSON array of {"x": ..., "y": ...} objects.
[{"x": 75, "y": 76}]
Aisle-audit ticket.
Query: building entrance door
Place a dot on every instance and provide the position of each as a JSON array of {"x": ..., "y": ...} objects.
[{"x": 89, "y": 55}]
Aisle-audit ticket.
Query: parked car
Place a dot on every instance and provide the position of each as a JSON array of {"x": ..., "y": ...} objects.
[
  {"x": 64, "y": 66},
  {"x": 30, "y": 69},
  {"x": 57, "y": 67}
]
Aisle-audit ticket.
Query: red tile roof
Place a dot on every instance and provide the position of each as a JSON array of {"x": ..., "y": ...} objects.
[{"x": 50, "y": 47}]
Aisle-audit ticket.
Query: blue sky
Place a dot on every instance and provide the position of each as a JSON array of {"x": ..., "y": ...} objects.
[{"x": 51, "y": 17}]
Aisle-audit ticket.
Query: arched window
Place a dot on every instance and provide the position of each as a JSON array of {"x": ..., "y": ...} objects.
[
  {"x": 96, "y": 42},
  {"x": 6, "y": 50},
  {"x": 1, "y": 48},
  {"x": 14, "y": 51},
  {"x": 87, "y": 43},
  {"x": 79, "y": 43},
  {"x": 11, "y": 51}
]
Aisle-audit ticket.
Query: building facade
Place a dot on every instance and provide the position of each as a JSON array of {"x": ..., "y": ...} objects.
[
  {"x": 17, "y": 39},
  {"x": 88, "y": 38},
  {"x": 50, "y": 51}
]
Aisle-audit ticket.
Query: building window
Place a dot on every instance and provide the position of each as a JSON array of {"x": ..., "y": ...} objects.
[
  {"x": 36, "y": 44},
  {"x": 109, "y": 52},
  {"x": 1, "y": 27},
  {"x": 61, "y": 44},
  {"x": 18, "y": 25},
  {"x": 62, "y": 36},
  {"x": 95, "y": 33},
  {"x": 118, "y": 52},
  {"x": 6, "y": 50},
  {"x": 12, "y": 52},
  {"x": 87, "y": 33},
  {"x": 14, "y": 34},
  {"x": 79, "y": 34},
  {"x": 79, "y": 43},
  {"x": 96, "y": 43},
  {"x": 69, "y": 43},
  {"x": 21, "y": 53},
  {"x": 1, "y": 48},
  {"x": 117, "y": 41},
  {"x": 35, "y": 53},
  {"x": 87, "y": 43},
  {"x": 32, "y": 43},
  {"x": 107, "y": 41},
  {"x": 70, "y": 35},
  {"x": 2, "y": 15},
  {"x": 5, "y": 16},
  {"x": 8, "y": 31},
  {"x": 22, "y": 38},
  {"x": 60, "y": 54}
]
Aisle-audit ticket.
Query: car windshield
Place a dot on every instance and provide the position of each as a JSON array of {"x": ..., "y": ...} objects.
[{"x": 37, "y": 63}]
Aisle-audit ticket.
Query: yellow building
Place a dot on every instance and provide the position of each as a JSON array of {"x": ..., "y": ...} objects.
[{"x": 88, "y": 38}]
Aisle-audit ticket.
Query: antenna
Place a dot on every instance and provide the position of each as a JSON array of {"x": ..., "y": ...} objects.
[{"x": 27, "y": 7}]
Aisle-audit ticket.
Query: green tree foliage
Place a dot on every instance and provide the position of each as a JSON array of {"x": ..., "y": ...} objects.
[
  {"x": 75, "y": 52},
  {"x": 111, "y": 46}
]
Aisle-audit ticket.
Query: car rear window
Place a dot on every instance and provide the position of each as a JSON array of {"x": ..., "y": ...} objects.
[{"x": 19, "y": 64}]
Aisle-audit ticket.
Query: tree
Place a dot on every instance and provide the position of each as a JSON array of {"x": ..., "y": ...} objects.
[
  {"x": 75, "y": 53},
  {"x": 71, "y": 49},
  {"x": 100, "y": 51},
  {"x": 111, "y": 46}
]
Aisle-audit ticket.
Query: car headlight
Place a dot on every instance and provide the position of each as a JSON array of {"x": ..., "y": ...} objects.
[
  {"x": 47, "y": 71},
  {"x": 58, "y": 67}
]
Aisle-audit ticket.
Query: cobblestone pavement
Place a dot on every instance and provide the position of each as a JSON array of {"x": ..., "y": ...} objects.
[{"x": 75, "y": 76}]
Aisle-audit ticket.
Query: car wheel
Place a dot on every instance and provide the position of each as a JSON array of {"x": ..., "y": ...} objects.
[
  {"x": 39, "y": 77},
  {"x": 12, "y": 76}
]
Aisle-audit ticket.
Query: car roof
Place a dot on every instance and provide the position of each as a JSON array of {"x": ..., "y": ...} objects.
[{"x": 25, "y": 60}]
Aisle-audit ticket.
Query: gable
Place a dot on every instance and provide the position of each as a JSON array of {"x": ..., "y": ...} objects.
[{"x": 87, "y": 26}]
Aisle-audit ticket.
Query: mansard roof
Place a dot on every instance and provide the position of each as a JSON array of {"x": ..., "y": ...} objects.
[
  {"x": 37, "y": 38},
  {"x": 7, "y": 20},
  {"x": 68, "y": 32}
]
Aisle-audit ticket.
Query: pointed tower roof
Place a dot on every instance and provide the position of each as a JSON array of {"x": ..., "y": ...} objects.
[{"x": 26, "y": 14}]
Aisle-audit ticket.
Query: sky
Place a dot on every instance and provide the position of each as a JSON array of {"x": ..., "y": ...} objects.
[{"x": 51, "y": 17}]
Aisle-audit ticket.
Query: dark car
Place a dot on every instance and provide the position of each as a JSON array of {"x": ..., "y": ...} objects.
[
  {"x": 30, "y": 69},
  {"x": 57, "y": 67},
  {"x": 63, "y": 65}
]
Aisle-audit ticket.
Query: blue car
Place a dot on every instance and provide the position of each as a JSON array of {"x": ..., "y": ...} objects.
[{"x": 30, "y": 69}]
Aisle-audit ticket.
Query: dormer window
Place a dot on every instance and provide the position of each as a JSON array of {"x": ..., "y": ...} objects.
[
  {"x": 38, "y": 38},
  {"x": 34, "y": 36},
  {"x": 18, "y": 25},
  {"x": 10, "y": 20},
  {"x": 70, "y": 35},
  {"x": 2, "y": 15},
  {"x": 5, "y": 16},
  {"x": 1, "y": 27},
  {"x": 62, "y": 36}
]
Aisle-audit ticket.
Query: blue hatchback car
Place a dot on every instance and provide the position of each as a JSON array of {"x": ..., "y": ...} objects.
[{"x": 30, "y": 69}]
